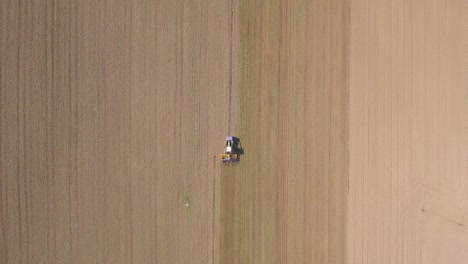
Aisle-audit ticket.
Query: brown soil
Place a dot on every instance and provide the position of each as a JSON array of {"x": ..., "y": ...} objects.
[
  {"x": 111, "y": 114},
  {"x": 352, "y": 115},
  {"x": 286, "y": 201}
]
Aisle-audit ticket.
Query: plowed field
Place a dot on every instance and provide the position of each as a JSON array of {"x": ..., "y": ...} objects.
[{"x": 353, "y": 117}]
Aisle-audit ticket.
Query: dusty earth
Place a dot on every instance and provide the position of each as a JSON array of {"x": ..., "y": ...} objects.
[
  {"x": 353, "y": 116},
  {"x": 408, "y": 170}
]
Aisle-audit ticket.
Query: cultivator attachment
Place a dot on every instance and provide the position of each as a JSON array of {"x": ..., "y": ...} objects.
[{"x": 229, "y": 159}]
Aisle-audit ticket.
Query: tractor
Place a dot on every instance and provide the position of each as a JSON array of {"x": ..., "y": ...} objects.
[{"x": 232, "y": 151}]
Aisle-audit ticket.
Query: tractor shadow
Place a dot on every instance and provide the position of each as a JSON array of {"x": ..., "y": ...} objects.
[{"x": 237, "y": 148}]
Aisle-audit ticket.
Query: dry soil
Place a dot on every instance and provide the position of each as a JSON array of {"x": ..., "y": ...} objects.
[
  {"x": 408, "y": 177},
  {"x": 353, "y": 115}
]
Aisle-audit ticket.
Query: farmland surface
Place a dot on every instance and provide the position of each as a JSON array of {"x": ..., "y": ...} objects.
[
  {"x": 353, "y": 117},
  {"x": 111, "y": 114},
  {"x": 408, "y": 198},
  {"x": 286, "y": 201}
]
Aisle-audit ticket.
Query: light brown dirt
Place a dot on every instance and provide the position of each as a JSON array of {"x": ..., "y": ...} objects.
[{"x": 408, "y": 176}]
